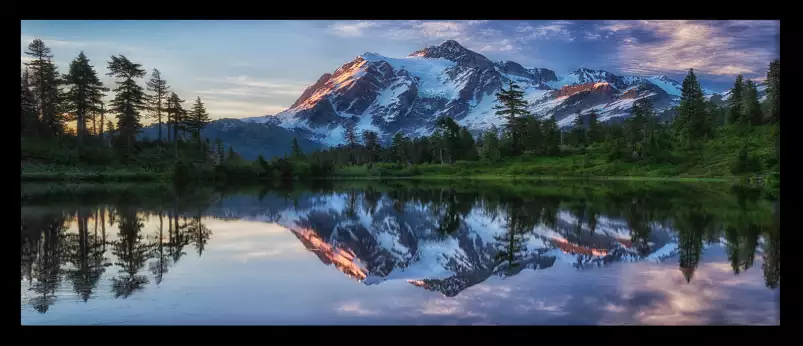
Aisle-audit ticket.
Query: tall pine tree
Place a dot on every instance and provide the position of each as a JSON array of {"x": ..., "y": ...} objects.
[
  {"x": 197, "y": 120},
  {"x": 45, "y": 82},
  {"x": 84, "y": 92},
  {"x": 774, "y": 101},
  {"x": 551, "y": 142},
  {"x": 297, "y": 153},
  {"x": 370, "y": 140},
  {"x": 774, "y": 91},
  {"x": 28, "y": 120},
  {"x": 490, "y": 144},
  {"x": 691, "y": 124},
  {"x": 735, "y": 101},
  {"x": 176, "y": 116},
  {"x": 511, "y": 105},
  {"x": 129, "y": 98},
  {"x": 158, "y": 89},
  {"x": 751, "y": 108}
]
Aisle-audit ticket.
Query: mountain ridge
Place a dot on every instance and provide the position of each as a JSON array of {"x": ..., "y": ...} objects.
[{"x": 389, "y": 95}]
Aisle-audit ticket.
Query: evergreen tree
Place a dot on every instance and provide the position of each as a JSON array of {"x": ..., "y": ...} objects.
[
  {"x": 774, "y": 91},
  {"x": 158, "y": 89},
  {"x": 578, "y": 131},
  {"x": 129, "y": 98},
  {"x": 467, "y": 149},
  {"x": 551, "y": 140},
  {"x": 219, "y": 147},
  {"x": 690, "y": 123},
  {"x": 84, "y": 91},
  {"x": 176, "y": 116},
  {"x": 511, "y": 105},
  {"x": 636, "y": 127},
  {"x": 297, "y": 153},
  {"x": 350, "y": 137},
  {"x": 774, "y": 103},
  {"x": 45, "y": 81},
  {"x": 735, "y": 101},
  {"x": 397, "y": 148},
  {"x": 28, "y": 120},
  {"x": 448, "y": 145},
  {"x": 751, "y": 108},
  {"x": 594, "y": 132},
  {"x": 370, "y": 140},
  {"x": 533, "y": 136},
  {"x": 197, "y": 120},
  {"x": 490, "y": 141}
]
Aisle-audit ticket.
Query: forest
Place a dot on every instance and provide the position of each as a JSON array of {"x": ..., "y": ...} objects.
[{"x": 69, "y": 133}]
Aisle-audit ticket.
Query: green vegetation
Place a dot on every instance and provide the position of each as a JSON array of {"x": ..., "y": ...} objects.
[{"x": 738, "y": 141}]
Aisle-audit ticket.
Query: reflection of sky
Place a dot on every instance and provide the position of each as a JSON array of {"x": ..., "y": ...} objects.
[{"x": 259, "y": 273}]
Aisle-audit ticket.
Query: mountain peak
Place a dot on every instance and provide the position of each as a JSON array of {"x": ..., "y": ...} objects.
[
  {"x": 451, "y": 50},
  {"x": 451, "y": 43}
]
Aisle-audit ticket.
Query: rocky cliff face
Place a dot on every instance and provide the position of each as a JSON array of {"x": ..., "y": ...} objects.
[{"x": 390, "y": 95}]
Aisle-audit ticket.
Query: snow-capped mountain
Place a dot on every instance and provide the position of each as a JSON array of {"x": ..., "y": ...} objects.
[
  {"x": 373, "y": 239},
  {"x": 408, "y": 94}
]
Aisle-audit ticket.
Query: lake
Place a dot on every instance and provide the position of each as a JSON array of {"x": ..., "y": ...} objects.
[{"x": 401, "y": 252}]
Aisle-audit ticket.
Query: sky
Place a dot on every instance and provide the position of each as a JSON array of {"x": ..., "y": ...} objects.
[{"x": 244, "y": 68}]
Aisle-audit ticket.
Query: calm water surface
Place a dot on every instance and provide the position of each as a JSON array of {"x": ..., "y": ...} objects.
[{"x": 401, "y": 253}]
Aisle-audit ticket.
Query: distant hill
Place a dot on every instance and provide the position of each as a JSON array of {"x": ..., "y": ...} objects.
[{"x": 248, "y": 139}]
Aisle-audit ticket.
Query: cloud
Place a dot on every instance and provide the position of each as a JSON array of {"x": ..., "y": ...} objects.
[
  {"x": 556, "y": 30},
  {"x": 238, "y": 109},
  {"x": 353, "y": 29},
  {"x": 248, "y": 87},
  {"x": 474, "y": 34},
  {"x": 476, "y": 22},
  {"x": 60, "y": 43},
  {"x": 717, "y": 48},
  {"x": 592, "y": 36}
]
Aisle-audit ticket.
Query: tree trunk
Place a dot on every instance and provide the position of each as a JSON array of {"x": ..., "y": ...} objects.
[
  {"x": 159, "y": 120},
  {"x": 94, "y": 127},
  {"x": 102, "y": 121},
  {"x": 175, "y": 140}
]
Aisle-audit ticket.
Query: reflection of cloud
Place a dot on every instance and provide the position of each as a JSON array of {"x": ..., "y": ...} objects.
[
  {"x": 355, "y": 308},
  {"x": 252, "y": 240}
]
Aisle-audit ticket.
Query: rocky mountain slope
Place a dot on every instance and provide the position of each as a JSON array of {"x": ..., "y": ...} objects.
[{"x": 408, "y": 94}]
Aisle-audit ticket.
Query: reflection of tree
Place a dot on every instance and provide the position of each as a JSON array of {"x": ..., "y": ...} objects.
[
  {"x": 578, "y": 211},
  {"x": 86, "y": 253},
  {"x": 550, "y": 211},
  {"x": 43, "y": 248},
  {"x": 198, "y": 233},
  {"x": 370, "y": 200},
  {"x": 177, "y": 237},
  {"x": 520, "y": 221},
  {"x": 449, "y": 221},
  {"x": 638, "y": 221},
  {"x": 592, "y": 217},
  {"x": 351, "y": 204},
  {"x": 772, "y": 249},
  {"x": 159, "y": 268},
  {"x": 691, "y": 227},
  {"x": 399, "y": 198},
  {"x": 131, "y": 253}
]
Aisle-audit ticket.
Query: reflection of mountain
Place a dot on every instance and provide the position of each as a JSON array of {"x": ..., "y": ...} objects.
[{"x": 403, "y": 243}]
